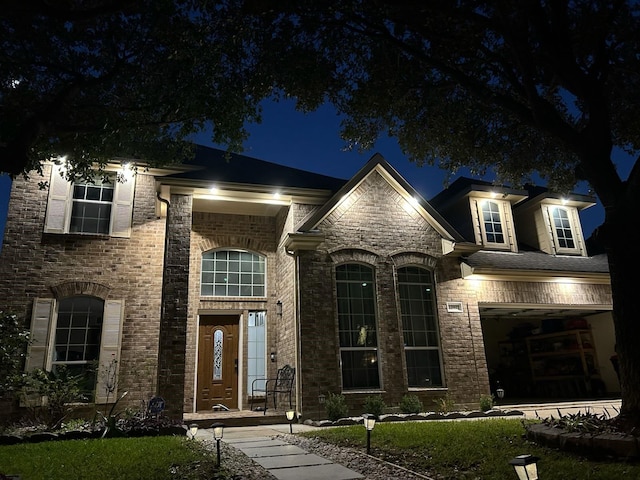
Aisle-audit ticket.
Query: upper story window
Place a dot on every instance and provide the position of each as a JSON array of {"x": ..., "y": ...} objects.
[
  {"x": 101, "y": 207},
  {"x": 493, "y": 221},
  {"x": 562, "y": 228},
  {"x": 233, "y": 273},
  {"x": 91, "y": 211},
  {"x": 565, "y": 229},
  {"x": 357, "y": 330}
]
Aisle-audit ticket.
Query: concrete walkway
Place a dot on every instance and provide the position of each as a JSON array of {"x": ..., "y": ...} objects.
[
  {"x": 290, "y": 462},
  {"x": 282, "y": 460}
]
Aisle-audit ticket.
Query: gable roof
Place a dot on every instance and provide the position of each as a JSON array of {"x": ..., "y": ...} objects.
[
  {"x": 378, "y": 163},
  {"x": 218, "y": 166}
]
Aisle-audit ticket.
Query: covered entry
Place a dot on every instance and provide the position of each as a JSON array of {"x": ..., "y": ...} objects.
[
  {"x": 549, "y": 352},
  {"x": 217, "y": 378}
]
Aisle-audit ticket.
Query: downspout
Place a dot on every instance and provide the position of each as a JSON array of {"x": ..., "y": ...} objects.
[
  {"x": 296, "y": 310},
  {"x": 164, "y": 266}
]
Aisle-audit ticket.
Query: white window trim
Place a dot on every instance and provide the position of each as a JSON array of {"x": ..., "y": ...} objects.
[
  {"x": 266, "y": 276},
  {"x": 43, "y": 329},
  {"x": 504, "y": 209},
  {"x": 60, "y": 204},
  {"x": 574, "y": 223}
]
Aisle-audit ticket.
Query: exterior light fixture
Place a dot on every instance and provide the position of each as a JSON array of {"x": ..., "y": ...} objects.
[
  {"x": 369, "y": 423},
  {"x": 290, "y": 416},
  {"x": 525, "y": 466},
  {"x": 321, "y": 398},
  {"x": 193, "y": 429},
  {"x": 218, "y": 431},
  {"x": 279, "y": 308},
  {"x": 272, "y": 357}
]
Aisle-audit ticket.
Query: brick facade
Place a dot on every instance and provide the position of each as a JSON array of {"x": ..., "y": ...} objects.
[
  {"x": 34, "y": 265},
  {"x": 374, "y": 225}
]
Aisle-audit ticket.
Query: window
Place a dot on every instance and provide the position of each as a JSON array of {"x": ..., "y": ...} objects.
[
  {"x": 562, "y": 228},
  {"x": 491, "y": 222},
  {"x": 357, "y": 327},
  {"x": 77, "y": 337},
  {"x": 256, "y": 350},
  {"x": 233, "y": 273},
  {"x": 83, "y": 333},
  {"x": 420, "y": 327},
  {"x": 98, "y": 208},
  {"x": 91, "y": 212}
]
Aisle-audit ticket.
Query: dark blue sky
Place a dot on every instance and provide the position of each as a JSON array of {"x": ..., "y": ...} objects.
[{"x": 311, "y": 142}]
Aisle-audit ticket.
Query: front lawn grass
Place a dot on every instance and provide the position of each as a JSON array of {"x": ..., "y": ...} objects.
[
  {"x": 470, "y": 450},
  {"x": 115, "y": 458}
]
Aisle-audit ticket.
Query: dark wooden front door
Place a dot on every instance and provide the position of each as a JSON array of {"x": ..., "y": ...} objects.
[{"x": 217, "y": 361}]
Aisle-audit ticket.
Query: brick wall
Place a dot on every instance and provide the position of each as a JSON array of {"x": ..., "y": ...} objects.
[
  {"x": 375, "y": 225},
  {"x": 34, "y": 264}
]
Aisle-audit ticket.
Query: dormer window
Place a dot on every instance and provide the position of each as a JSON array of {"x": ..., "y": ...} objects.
[
  {"x": 565, "y": 229},
  {"x": 562, "y": 226},
  {"x": 493, "y": 223}
]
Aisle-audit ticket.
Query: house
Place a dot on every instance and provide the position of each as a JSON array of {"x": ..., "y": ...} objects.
[{"x": 191, "y": 282}]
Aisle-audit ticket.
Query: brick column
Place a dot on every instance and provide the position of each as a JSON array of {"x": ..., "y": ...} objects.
[{"x": 175, "y": 295}]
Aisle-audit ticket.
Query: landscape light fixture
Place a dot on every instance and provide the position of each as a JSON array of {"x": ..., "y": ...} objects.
[
  {"x": 526, "y": 467},
  {"x": 290, "y": 416},
  {"x": 193, "y": 429},
  {"x": 369, "y": 423},
  {"x": 218, "y": 431}
]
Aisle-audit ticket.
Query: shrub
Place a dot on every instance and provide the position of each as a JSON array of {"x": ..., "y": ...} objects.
[
  {"x": 336, "y": 406},
  {"x": 445, "y": 404},
  {"x": 60, "y": 390},
  {"x": 13, "y": 347},
  {"x": 410, "y": 404},
  {"x": 374, "y": 405},
  {"x": 486, "y": 402}
]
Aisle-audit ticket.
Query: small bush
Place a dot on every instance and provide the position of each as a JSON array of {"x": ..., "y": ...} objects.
[
  {"x": 445, "y": 404},
  {"x": 410, "y": 404},
  {"x": 336, "y": 406},
  {"x": 374, "y": 405},
  {"x": 486, "y": 402}
]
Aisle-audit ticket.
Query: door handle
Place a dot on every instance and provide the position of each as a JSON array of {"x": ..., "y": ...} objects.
[{"x": 235, "y": 364}]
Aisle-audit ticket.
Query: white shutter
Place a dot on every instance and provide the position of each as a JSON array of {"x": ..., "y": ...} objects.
[
  {"x": 122, "y": 209},
  {"x": 37, "y": 355},
  {"x": 109, "y": 350},
  {"x": 58, "y": 202}
]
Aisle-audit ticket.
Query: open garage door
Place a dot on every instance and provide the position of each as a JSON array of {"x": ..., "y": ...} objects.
[{"x": 549, "y": 352}]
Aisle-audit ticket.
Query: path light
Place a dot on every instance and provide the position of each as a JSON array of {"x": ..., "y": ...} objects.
[
  {"x": 218, "y": 431},
  {"x": 369, "y": 423},
  {"x": 193, "y": 429},
  {"x": 526, "y": 467},
  {"x": 290, "y": 416}
]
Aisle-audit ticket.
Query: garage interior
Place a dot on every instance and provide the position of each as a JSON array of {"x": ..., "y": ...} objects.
[{"x": 537, "y": 354}]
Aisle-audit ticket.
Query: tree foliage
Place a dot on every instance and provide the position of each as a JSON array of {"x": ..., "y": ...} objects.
[{"x": 117, "y": 78}]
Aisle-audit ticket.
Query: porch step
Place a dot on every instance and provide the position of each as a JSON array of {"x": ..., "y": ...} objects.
[{"x": 235, "y": 418}]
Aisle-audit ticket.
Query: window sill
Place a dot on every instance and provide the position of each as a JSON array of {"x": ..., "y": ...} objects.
[
  {"x": 428, "y": 389},
  {"x": 370, "y": 391}
]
